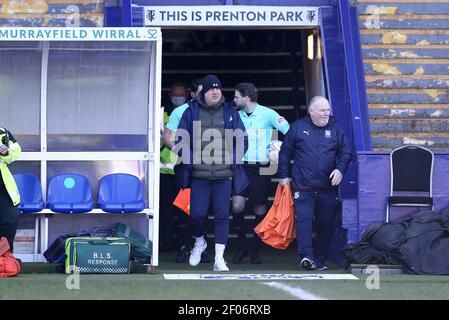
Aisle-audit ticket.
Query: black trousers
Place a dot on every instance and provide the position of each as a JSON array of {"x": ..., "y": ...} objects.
[
  {"x": 9, "y": 219},
  {"x": 323, "y": 207}
]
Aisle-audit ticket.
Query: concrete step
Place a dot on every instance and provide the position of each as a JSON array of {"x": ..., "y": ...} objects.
[{"x": 366, "y": 269}]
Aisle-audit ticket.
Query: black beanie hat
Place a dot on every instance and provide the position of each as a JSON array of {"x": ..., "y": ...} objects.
[{"x": 209, "y": 82}]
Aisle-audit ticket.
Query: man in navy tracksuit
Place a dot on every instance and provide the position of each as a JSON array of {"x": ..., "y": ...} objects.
[
  {"x": 321, "y": 155},
  {"x": 211, "y": 141}
]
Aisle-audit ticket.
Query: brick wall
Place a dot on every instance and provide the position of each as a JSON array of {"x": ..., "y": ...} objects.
[
  {"x": 406, "y": 59},
  {"x": 51, "y": 13}
]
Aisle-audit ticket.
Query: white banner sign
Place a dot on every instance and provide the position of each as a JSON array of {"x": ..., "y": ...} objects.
[
  {"x": 80, "y": 34},
  {"x": 235, "y": 16}
]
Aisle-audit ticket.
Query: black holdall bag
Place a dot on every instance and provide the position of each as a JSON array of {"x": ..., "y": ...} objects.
[
  {"x": 365, "y": 253},
  {"x": 141, "y": 247},
  {"x": 55, "y": 253}
]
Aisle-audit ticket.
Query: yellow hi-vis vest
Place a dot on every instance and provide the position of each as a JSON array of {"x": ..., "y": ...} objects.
[
  {"x": 168, "y": 161},
  {"x": 168, "y": 158},
  {"x": 8, "y": 179}
]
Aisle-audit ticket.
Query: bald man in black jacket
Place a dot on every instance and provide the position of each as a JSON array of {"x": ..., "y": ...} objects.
[{"x": 321, "y": 155}]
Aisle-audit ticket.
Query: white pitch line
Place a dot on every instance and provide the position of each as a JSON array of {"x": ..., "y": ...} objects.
[
  {"x": 294, "y": 291},
  {"x": 250, "y": 276}
]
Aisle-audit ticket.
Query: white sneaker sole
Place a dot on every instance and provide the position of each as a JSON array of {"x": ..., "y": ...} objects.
[
  {"x": 222, "y": 270},
  {"x": 193, "y": 264}
]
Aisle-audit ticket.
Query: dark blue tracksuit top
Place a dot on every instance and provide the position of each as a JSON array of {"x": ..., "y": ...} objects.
[{"x": 316, "y": 152}]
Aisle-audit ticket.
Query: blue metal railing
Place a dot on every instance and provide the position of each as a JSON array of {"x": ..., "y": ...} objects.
[{"x": 355, "y": 77}]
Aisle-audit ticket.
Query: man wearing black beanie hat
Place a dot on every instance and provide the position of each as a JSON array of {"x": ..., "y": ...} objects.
[
  {"x": 210, "y": 82},
  {"x": 211, "y": 169},
  {"x": 211, "y": 95}
]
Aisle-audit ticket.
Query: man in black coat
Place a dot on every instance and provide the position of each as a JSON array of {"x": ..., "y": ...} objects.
[
  {"x": 212, "y": 141},
  {"x": 321, "y": 155}
]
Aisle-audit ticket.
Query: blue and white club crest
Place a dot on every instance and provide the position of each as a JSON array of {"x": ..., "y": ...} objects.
[{"x": 327, "y": 133}]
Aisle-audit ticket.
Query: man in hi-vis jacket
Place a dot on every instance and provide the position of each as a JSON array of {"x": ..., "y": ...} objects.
[{"x": 9, "y": 194}]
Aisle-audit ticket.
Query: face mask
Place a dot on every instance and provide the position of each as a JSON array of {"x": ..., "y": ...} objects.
[{"x": 177, "y": 101}]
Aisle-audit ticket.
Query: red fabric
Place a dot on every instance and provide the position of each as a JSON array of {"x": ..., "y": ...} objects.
[
  {"x": 9, "y": 266},
  {"x": 277, "y": 229},
  {"x": 4, "y": 245},
  {"x": 182, "y": 200}
]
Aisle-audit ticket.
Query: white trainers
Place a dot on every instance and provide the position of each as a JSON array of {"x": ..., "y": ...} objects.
[
  {"x": 195, "y": 254},
  {"x": 220, "y": 265}
]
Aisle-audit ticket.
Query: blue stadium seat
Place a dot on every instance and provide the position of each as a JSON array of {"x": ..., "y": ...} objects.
[
  {"x": 120, "y": 193},
  {"x": 69, "y": 193},
  {"x": 31, "y": 199}
]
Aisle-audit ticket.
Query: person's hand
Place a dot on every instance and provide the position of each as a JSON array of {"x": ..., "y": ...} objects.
[
  {"x": 336, "y": 177},
  {"x": 3, "y": 150},
  {"x": 284, "y": 181}
]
